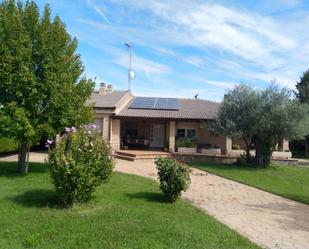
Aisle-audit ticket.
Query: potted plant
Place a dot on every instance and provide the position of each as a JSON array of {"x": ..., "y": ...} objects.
[
  {"x": 212, "y": 151},
  {"x": 186, "y": 146}
]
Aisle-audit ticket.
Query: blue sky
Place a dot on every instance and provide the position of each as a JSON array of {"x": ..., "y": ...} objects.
[{"x": 186, "y": 47}]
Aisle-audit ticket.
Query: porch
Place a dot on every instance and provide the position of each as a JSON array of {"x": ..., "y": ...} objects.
[{"x": 150, "y": 134}]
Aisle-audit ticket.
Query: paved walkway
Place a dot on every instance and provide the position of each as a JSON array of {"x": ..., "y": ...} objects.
[
  {"x": 268, "y": 220},
  {"x": 36, "y": 157}
]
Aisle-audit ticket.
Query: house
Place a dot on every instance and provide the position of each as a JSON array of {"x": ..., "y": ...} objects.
[{"x": 131, "y": 122}]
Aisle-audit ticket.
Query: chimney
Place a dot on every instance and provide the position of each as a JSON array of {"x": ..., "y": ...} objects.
[
  {"x": 109, "y": 89},
  {"x": 102, "y": 89}
]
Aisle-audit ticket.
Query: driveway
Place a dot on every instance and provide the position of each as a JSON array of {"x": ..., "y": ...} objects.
[{"x": 266, "y": 219}]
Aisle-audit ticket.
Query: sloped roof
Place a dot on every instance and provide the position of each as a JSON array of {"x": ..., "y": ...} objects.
[
  {"x": 108, "y": 100},
  {"x": 188, "y": 109}
]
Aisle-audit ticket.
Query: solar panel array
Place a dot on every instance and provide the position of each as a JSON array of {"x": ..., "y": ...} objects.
[{"x": 154, "y": 103}]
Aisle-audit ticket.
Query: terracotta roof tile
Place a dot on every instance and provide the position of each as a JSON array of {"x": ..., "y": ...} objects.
[
  {"x": 188, "y": 109},
  {"x": 108, "y": 100}
]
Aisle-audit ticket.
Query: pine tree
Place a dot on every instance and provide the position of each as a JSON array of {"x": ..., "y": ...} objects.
[{"x": 42, "y": 86}]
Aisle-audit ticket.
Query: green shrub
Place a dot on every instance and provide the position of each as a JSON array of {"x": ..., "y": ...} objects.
[
  {"x": 242, "y": 160},
  {"x": 187, "y": 142},
  {"x": 8, "y": 145},
  {"x": 236, "y": 147},
  {"x": 174, "y": 177},
  {"x": 78, "y": 164}
]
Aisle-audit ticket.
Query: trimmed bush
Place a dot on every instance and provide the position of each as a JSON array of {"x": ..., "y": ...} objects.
[
  {"x": 242, "y": 160},
  {"x": 174, "y": 177},
  {"x": 78, "y": 164},
  {"x": 187, "y": 142}
]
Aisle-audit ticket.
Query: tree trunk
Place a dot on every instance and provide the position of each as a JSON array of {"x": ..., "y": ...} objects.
[
  {"x": 248, "y": 156},
  {"x": 262, "y": 153},
  {"x": 307, "y": 147},
  {"x": 23, "y": 157}
]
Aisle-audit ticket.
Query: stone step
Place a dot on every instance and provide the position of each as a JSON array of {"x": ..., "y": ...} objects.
[{"x": 132, "y": 157}]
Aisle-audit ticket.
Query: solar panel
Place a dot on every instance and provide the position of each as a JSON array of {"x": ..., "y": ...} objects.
[
  {"x": 143, "y": 103},
  {"x": 154, "y": 103},
  {"x": 166, "y": 104}
]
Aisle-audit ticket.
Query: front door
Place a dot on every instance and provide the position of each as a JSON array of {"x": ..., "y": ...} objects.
[{"x": 157, "y": 136}]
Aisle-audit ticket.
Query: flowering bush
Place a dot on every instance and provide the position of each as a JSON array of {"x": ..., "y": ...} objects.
[
  {"x": 78, "y": 164},
  {"x": 174, "y": 177}
]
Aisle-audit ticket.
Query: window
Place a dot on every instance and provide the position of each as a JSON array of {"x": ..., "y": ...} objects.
[
  {"x": 99, "y": 124},
  {"x": 181, "y": 133},
  {"x": 131, "y": 129},
  {"x": 191, "y": 133}
]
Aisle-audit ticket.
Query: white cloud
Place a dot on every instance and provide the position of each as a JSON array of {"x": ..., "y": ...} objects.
[
  {"x": 143, "y": 65},
  {"x": 216, "y": 83},
  {"x": 99, "y": 11},
  {"x": 235, "y": 44},
  {"x": 268, "y": 47}
]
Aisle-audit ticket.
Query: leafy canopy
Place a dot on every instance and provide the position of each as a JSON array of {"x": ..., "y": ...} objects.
[
  {"x": 261, "y": 117},
  {"x": 303, "y": 88},
  {"x": 42, "y": 87}
]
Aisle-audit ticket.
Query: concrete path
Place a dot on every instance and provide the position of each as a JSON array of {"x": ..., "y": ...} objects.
[
  {"x": 266, "y": 219},
  {"x": 35, "y": 157}
]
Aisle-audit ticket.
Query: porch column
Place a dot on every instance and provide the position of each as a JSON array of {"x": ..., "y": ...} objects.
[
  {"x": 285, "y": 145},
  {"x": 172, "y": 135},
  {"x": 227, "y": 147},
  {"x": 115, "y": 134},
  {"x": 106, "y": 128}
]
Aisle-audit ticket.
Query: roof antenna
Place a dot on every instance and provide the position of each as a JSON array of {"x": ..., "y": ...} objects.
[
  {"x": 196, "y": 96},
  {"x": 131, "y": 73}
]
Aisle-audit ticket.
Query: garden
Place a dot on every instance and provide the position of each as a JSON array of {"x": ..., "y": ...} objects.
[{"x": 126, "y": 212}]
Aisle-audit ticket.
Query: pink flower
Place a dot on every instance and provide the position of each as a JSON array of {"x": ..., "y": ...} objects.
[{"x": 50, "y": 141}]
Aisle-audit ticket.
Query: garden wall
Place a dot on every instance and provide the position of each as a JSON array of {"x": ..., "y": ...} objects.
[{"x": 204, "y": 158}]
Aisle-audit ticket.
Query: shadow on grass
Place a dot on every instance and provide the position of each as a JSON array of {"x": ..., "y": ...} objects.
[
  {"x": 9, "y": 169},
  {"x": 39, "y": 198},
  {"x": 147, "y": 196}
]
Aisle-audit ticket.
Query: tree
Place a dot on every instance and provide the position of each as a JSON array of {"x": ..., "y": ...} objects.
[
  {"x": 259, "y": 117},
  {"x": 279, "y": 118},
  {"x": 303, "y": 96},
  {"x": 42, "y": 86},
  {"x": 237, "y": 115}
]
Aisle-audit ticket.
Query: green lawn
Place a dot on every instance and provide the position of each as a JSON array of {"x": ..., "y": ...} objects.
[
  {"x": 7, "y": 145},
  {"x": 288, "y": 181},
  {"x": 127, "y": 212}
]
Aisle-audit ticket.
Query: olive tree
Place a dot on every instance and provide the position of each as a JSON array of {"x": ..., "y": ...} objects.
[
  {"x": 260, "y": 117},
  {"x": 42, "y": 86},
  {"x": 237, "y": 116}
]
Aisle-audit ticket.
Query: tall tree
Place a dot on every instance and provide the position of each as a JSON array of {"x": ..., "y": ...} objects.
[
  {"x": 42, "y": 86},
  {"x": 303, "y": 95},
  {"x": 259, "y": 117},
  {"x": 238, "y": 115}
]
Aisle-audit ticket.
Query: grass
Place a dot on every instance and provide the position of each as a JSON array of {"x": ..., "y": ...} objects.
[
  {"x": 7, "y": 145},
  {"x": 287, "y": 181},
  {"x": 127, "y": 212}
]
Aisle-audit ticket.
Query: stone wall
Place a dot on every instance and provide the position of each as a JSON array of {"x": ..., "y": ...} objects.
[{"x": 204, "y": 158}]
